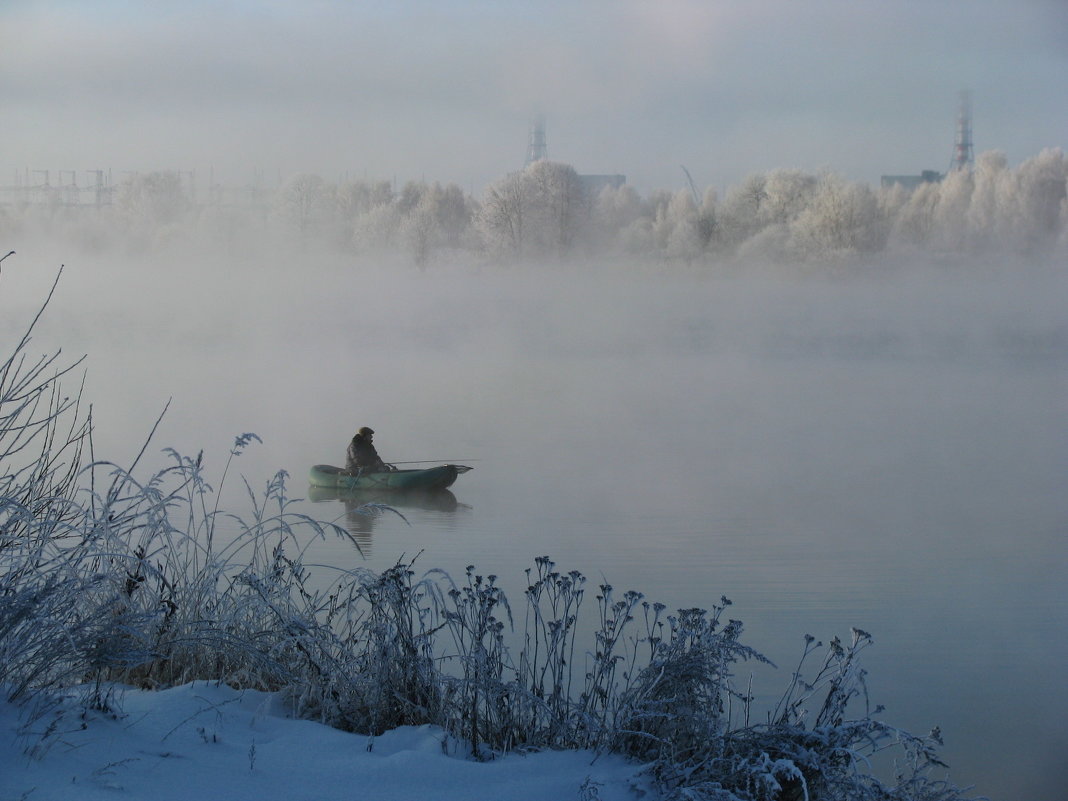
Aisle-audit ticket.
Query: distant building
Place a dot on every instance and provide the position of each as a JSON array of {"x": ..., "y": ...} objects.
[
  {"x": 538, "y": 150},
  {"x": 910, "y": 182},
  {"x": 593, "y": 184}
]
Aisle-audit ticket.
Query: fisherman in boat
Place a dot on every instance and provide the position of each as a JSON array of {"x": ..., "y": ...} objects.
[{"x": 362, "y": 456}]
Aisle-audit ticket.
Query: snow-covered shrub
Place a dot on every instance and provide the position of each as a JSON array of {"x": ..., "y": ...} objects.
[
  {"x": 678, "y": 702},
  {"x": 44, "y": 632},
  {"x": 810, "y": 748}
]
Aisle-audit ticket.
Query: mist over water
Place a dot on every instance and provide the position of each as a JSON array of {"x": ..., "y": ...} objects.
[
  {"x": 749, "y": 391},
  {"x": 882, "y": 449}
]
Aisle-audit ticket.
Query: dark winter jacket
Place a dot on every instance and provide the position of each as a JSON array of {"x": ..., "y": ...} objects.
[{"x": 363, "y": 456}]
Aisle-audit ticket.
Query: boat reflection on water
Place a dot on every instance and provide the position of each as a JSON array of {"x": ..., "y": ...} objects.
[{"x": 363, "y": 508}]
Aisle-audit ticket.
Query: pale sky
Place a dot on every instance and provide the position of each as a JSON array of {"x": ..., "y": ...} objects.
[{"x": 445, "y": 91}]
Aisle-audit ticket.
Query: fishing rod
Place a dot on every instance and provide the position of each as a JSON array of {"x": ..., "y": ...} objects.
[{"x": 438, "y": 461}]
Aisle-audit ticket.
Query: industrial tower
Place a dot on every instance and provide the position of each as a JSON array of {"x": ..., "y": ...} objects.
[
  {"x": 963, "y": 155},
  {"x": 537, "y": 150}
]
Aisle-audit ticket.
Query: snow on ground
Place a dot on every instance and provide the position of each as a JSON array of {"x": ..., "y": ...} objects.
[{"x": 203, "y": 741}]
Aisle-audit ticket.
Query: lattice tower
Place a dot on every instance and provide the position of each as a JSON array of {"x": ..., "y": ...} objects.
[
  {"x": 963, "y": 152},
  {"x": 537, "y": 149}
]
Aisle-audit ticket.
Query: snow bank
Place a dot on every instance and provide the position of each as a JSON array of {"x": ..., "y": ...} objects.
[{"x": 207, "y": 741}]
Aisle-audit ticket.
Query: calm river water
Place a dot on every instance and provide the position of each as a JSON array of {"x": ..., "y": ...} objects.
[{"x": 886, "y": 451}]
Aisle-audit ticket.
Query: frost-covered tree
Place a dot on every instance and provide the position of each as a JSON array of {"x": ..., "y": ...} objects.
[
  {"x": 561, "y": 208},
  {"x": 306, "y": 204},
  {"x": 150, "y": 210},
  {"x": 377, "y": 229},
  {"x": 153, "y": 198},
  {"x": 638, "y": 239},
  {"x": 541, "y": 211},
  {"x": 410, "y": 195},
  {"x": 359, "y": 197},
  {"x": 544, "y": 212},
  {"x": 677, "y": 228},
  {"x": 992, "y": 209},
  {"x": 915, "y": 223},
  {"x": 420, "y": 232},
  {"x": 451, "y": 211},
  {"x": 1037, "y": 199},
  {"x": 708, "y": 218},
  {"x": 740, "y": 212},
  {"x": 841, "y": 218},
  {"x": 951, "y": 213},
  {"x": 502, "y": 216},
  {"x": 366, "y": 210},
  {"x": 784, "y": 195},
  {"x": 432, "y": 217},
  {"x": 756, "y": 216},
  {"x": 614, "y": 209},
  {"x": 991, "y": 175},
  {"x": 892, "y": 201}
]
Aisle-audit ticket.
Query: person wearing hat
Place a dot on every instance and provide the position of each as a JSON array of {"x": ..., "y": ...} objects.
[{"x": 362, "y": 455}]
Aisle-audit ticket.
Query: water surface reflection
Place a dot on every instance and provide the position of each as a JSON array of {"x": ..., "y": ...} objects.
[{"x": 363, "y": 510}]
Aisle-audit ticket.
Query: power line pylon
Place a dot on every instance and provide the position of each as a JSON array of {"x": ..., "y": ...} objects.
[
  {"x": 537, "y": 149},
  {"x": 963, "y": 152}
]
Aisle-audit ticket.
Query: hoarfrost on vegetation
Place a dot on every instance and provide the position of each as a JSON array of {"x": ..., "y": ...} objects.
[{"x": 546, "y": 212}]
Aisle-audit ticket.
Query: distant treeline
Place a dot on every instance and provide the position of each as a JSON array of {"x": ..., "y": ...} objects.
[{"x": 545, "y": 212}]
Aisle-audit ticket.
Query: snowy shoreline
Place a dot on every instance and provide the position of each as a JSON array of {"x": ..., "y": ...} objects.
[{"x": 206, "y": 740}]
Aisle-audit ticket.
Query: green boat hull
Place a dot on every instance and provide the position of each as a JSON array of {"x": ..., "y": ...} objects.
[{"x": 432, "y": 478}]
